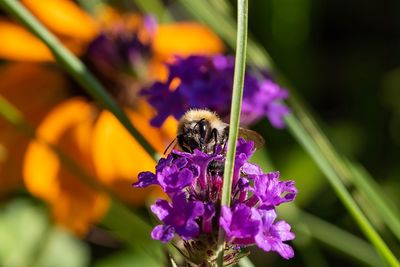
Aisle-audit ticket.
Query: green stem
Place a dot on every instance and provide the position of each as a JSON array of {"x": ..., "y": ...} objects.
[
  {"x": 236, "y": 107},
  {"x": 75, "y": 68}
]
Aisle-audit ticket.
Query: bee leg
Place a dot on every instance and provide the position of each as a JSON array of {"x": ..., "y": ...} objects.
[
  {"x": 181, "y": 143},
  {"x": 224, "y": 138},
  {"x": 170, "y": 144},
  {"x": 214, "y": 134}
]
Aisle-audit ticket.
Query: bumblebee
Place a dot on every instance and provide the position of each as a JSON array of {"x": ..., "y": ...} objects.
[{"x": 203, "y": 129}]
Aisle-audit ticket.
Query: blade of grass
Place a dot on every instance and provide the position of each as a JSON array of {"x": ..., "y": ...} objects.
[
  {"x": 156, "y": 8},
  {"x": 74, "y": 67},
  {"x": 341, "y": 191},
  {"x": 236, "y": 107},
  {"x": 226, "y": 28},
  {"x": 313, "y": 140},
  {"x": 90, "y": 5},
  {"x": 332, "y": 236},
  {"x": 313, "y": 227},
  {"x": 372, "y": 191},
  {"x": 245, "y": 262}
]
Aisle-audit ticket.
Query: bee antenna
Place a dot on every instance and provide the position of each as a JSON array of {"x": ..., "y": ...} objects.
[{"x": 170, "y": 144}]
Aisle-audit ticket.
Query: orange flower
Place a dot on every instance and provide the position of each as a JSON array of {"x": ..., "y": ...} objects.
[
  {"x": 118, "y": 158},
  {"x": 69, "y": 126},
  {"x": 35, "y": 90},
  {"x": 93, "y": 138}
]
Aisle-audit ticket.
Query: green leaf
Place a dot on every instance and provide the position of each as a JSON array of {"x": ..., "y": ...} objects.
[
  {"x": 61, "y": 249},
  {"x": 128, "y": 259},
  {"x": 28, "y": 239},
  {"x": 133, "y": 230}
]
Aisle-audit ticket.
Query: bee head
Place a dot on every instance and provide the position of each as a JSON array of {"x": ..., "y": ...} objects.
[{"x": 194, "y": 134}]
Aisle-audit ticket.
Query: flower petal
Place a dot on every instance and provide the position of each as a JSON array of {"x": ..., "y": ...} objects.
[
  {"x": 34, "y": 90},
  {"x": 64, "y": 17},
  {"x": 185, "y": 38},
  {"x": 74, "y": 204},
  {"x": 164, "y": 233},
  {"x": 118, "y": 158},
  {"x": 19, "y": 44}
]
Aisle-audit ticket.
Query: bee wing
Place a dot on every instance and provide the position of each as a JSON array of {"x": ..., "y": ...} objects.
[{"x": 253, "y": 136}]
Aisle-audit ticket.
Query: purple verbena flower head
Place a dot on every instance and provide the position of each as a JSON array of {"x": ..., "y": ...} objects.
[
  {"x": 121, "y": 48},
  {"x": 178, "y": 217},
  {"x": 272, "y": 235},
  {"x": 272, "y": 192},
  {"x": 206, "y": 82},
  {"x": 193, "y": 181},
  {"x": 119, "y": 56},
  {"x": 247, "y": 226}
]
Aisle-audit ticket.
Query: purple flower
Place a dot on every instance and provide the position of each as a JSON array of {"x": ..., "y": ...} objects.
[
  {"x": 240, "y": 224},
  {"x": 194, "y": 183},
  {"x": 177, "y": 218},
  {"x": 201, "y": 77},
  {"x": 173, "y": 179},
  {"x": 201, "y": 160},
  {"x": 119, "y": 56},
  {"x": 209, "y": 212},
  {"x": 244, "y": 150},
  {"x": 245, "y": 226},
  {"x": 272, "y": 192},
  {"x": 118, "y": 50},
  {"x": 271, "y": 236}
]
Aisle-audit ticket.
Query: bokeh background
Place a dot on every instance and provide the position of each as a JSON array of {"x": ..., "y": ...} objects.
[{"x": 342, "y": 57}]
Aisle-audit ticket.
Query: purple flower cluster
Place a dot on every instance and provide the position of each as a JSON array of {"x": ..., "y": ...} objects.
[
  {"x": 193, "y": 182},
  {"x": 206, "y": 82},
  {"x": 120, "y": 48}
]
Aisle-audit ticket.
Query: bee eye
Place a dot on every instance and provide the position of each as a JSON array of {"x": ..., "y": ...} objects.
[{"x": 202, "y": 128}]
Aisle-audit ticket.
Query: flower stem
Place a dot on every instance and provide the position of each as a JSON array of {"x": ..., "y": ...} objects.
[
  {"x": 236, "y": 106},
  {"x": 75, "y": 68}
]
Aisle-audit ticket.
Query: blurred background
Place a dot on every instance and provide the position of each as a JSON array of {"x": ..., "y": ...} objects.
[{"x": 342, "y": 57}]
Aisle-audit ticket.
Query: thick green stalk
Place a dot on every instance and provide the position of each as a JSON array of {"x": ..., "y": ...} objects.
[
  {"x": 74, "y": 67},
  {"x": 236, "y": 107}
]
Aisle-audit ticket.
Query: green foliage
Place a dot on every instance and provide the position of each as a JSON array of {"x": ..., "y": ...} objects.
[{"x": 29, "y": 239}]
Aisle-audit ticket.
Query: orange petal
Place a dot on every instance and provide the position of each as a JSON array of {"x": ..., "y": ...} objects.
[
  {"x": 75, "y": 205},
  {"x": 185, "y": 38},
  {"x": 64, "y": 17},
  {"x": 158, "y": 138},
  {"x": 19, "y": 44},
  {"x": 118, "y": 158},
  {"x": 34, "y": 89}
]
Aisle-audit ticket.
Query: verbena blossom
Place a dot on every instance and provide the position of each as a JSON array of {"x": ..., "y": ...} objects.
[
  {"x": 206, "y": 82},
  {"x": 193, "y": 182},
  {"x": 121, "y": 49}
]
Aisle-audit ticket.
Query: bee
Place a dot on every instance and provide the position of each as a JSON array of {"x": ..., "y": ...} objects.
[{"x": 203, "y": 129}]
